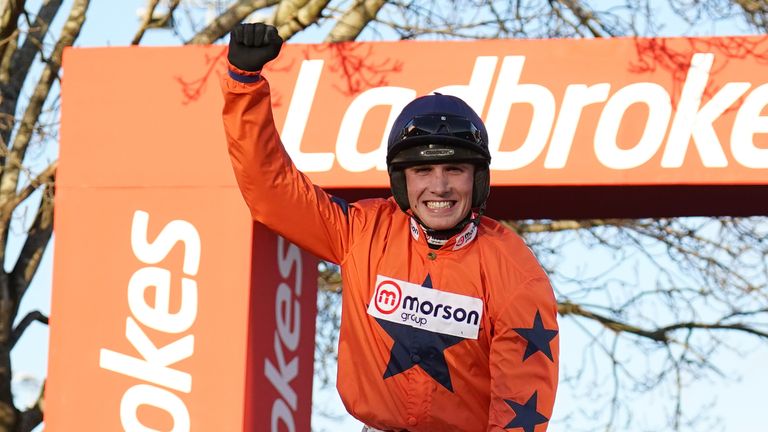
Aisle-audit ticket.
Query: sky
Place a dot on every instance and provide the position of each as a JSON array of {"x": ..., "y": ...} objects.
[{"x": 740, "y": 395}]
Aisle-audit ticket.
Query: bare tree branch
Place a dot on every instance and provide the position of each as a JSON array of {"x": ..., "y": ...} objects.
[
  {"x": 8, "y": 21},
  {"x": 661, "y": 334},
  {"x": 31, "y": 418},
  {"x": 755, "y": 11},
  {"x": 145, "y": 20},
  {"x": 19, "y": 61},
  {"x": 285, "y": 11},
  {"x": 23, "y": 137},
  {"x": 34, "y": 246},
  {"x": 529, "y": 227},
  {"x": 291, "y": 23},
  {"x": 353, "y": 21},
  {"x": 10, "y": 292},
  {"x": 24, "y": 323},
  {"x": 587, "y": 18},
  {"x": 151, "y": 20},
  {"x": 224, "y": 23},
  {"x": 45, "y": 177}
]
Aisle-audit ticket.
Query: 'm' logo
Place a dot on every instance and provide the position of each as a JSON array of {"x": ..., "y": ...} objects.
[{"x": 387, "y": 297}]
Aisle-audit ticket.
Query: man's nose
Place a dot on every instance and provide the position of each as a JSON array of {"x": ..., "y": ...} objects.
[{"x": 439, "y": 182}]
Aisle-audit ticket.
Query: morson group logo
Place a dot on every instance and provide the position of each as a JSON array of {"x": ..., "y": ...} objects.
[{"x": 426, "y": 308}]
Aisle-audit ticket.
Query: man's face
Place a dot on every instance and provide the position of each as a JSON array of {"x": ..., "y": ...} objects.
[{"x": 440, "y": 194}]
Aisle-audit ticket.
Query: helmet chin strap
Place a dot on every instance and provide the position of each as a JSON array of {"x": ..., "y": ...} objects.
[{"x": 436, "y": 238}]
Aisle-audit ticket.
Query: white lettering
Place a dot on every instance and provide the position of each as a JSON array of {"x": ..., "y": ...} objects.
[
  {"x": 153, "y": 364},
  {"x": 282, "y": 376},
  {"x": 158, "y": 316},
  {"x": 577, "y": 96},
  {"x": 175, "y": 231},
  {"x": 281, "y": 413},
  {"x": 144, "y": 394},
  {"x": 351, "y": 125},
  {"x": 659, "y": 109},
  {"x": 476, "y": 92},
  {"x": 296, "y": 120},
  {"x": 283, "y": 309},
  {"x": 749, "y": 122},
  {"x": 291, "y": 258},
  {"x": 286, "y": 336},
  {"x": 692, "y": 121},
  {"x": 507, "y": 93}
]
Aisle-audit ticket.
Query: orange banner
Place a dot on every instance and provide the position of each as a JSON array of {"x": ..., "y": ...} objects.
[
  {"x": 558, "y": 112},
  {"x": 149, "y": 310},
  {"x": 166, "y": 297}
]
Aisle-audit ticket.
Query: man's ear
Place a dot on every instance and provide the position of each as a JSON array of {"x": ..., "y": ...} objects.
[{"x": 399, "y": 188}]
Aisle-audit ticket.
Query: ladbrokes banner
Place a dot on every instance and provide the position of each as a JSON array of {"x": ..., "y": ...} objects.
[
  {"x": 171, "y": 311},
  {"x": 585, "y": 112},
  {"x": 600, "y": 112}
]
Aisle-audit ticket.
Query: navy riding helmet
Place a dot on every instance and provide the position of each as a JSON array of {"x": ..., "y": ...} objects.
[{"x": 433, "y": 129}]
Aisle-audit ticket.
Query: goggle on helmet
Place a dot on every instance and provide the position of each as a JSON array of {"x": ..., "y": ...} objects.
[{"x": 437, "y": 129}]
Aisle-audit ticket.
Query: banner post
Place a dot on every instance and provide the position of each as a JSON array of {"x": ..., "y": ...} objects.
[{"x": 171, "y": 310}]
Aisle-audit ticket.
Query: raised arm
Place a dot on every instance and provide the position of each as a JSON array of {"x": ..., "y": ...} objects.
[{"x": 277, "y": 194}]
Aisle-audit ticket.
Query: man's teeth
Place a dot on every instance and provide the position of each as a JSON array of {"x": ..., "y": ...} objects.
[{"x": 439, "y": 204}]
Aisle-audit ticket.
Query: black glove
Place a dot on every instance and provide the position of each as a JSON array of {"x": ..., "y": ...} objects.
[{"x": 251, "y": 46}]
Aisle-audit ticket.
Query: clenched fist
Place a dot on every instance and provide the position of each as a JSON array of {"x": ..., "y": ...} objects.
[{"x": 251, "y": 46}]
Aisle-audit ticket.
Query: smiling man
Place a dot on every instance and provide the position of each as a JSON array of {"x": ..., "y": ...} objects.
[
  {"x": 437, "y": 158},
  {"x": 449, "y": 322},
  {"x": 439, "y": 195}
]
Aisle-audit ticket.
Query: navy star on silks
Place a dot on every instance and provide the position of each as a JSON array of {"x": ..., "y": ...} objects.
[
  {"x": 418, "y": 347},
  {"x": 538, "y": 338},
  {"x": 526, "y": 416}
]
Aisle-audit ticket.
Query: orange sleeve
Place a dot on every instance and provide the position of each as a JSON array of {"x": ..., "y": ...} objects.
[
  {"x": 524, "y": 359},
  {"x": 278, "y": 195}
]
